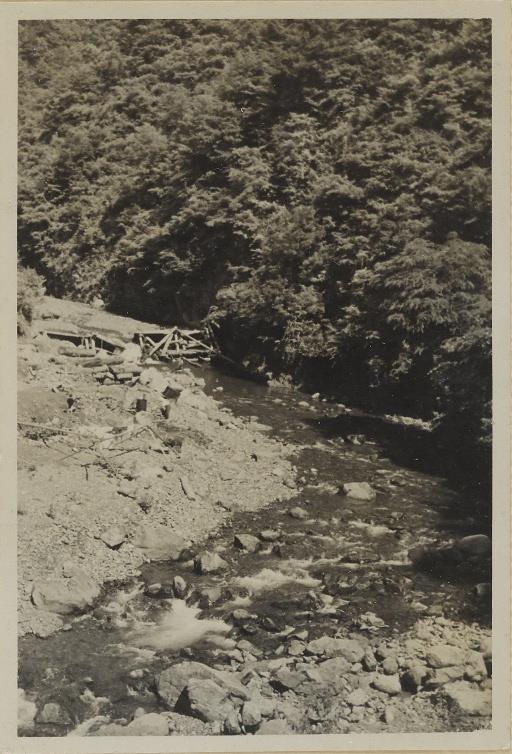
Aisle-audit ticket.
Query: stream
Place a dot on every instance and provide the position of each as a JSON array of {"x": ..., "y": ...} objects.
[{"x": 337, "y": 561}]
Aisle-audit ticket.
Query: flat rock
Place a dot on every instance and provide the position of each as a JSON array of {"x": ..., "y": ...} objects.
[
  {"x": 359, "y": 491},
  {"x": 66, "y": 595},
  {"x": 468, "y": 699},
  {"x": 326, "y": 646},
  {"x": 209, "y": 562},
  {"x": 159, "y": 542},
  {"x": 444, "y": 655}
]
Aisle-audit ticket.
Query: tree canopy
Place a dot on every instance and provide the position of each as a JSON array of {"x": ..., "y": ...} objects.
[{"x": 321, "y": 189}]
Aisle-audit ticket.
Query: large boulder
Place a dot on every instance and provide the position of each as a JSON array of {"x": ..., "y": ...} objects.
[
  {"x": 205, "y": 700},
  {"x": 359, "y": 491},
  {"x": 159, "y": 542},
  {"x": 66, "y": 595},
  {"x": 171, "y": 682}
]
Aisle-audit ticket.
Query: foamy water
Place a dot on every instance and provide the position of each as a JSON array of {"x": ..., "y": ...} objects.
[
  {"x": 180, "y": 627},
  {"x": 290, "y": 572}
]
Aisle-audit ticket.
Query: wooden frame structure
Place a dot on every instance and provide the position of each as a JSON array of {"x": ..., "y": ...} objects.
[{"x": 175, "y": 343}]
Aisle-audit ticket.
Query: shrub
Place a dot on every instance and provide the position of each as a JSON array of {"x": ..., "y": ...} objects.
[{"x": 30, "y": 291}]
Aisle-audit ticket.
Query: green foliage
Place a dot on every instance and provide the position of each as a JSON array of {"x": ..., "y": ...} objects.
[
  {"x": 320, "y": 188},
  {"x": 29, "y": 293}
]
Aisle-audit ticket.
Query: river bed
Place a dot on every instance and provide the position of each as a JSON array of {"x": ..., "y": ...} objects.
[{"x": 335, "y": 561}]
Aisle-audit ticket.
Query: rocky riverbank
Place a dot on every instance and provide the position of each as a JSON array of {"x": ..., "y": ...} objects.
[
  {"x": 348, "y": 609},
  {"x": 103, "y": 489}
]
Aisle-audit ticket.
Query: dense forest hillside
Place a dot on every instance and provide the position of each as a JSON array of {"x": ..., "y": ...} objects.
[{"x": 321, "y": 190}]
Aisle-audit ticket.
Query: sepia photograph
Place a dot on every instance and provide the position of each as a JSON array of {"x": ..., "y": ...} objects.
[{"x": 255, "y": 377}]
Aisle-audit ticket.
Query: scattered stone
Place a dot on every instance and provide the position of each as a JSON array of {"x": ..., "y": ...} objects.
[
  {"x": 171, "y": 682},
  {"x": 296, "y": 648},
  {"x": 286, "y": 679},
  {"x": 149, "y": 724},
  {"x": 246, "y": 542},
  {"x": 390, "y": 666},
  {"x": 159, "y": 542},
  {"x": 326, "y": 646},
  {"x": 440, "y": 676},
  {"x": 357, "y": 698},
  {"x": 486, "y": 648},
  {"x": 470, "y": 700},
  {"x": 356, "y": 439},
  {"x": 66, "y": 595},
  {"x": 209, "y": 562},
  {"x": 389, "y": 715},
  {"x": 359, "y": 491},
  {"x": 476, "y": 544},
  {"x": 475, "y": 667},
  {"x": 114, "y": 536},
  {"x": 298, "y": 513},
  {"x": 369, "y": 661},
  {"x": 388, "y": 684},
  {"x": 414, "y": 677},
  {"x": 26, "y": 713},
  {"x": 179, "y": 586},
  {"x": 53, "y": 714},
  {"x": 209, "y": 596},
  {"x": 269, "y": 535},
  {"x": 483, "y": 590},
  {"x": 277, "y": 727},
  {"x": 444, "y": 655},
  {"x": 206, "y": 700},
  {"x": 251, "y": 714}
]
